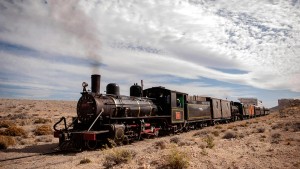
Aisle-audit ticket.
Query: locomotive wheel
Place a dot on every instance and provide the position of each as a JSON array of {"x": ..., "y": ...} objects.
[{"x": 91, "y": 145}]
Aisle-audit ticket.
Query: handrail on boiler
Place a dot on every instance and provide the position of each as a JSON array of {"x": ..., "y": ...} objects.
[{"x": 96, "y": 119}]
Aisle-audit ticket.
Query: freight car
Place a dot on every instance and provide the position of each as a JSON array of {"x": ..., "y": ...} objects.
[{"x": 114, "y": 118}]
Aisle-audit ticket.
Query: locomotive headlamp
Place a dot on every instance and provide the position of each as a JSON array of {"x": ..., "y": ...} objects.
[{"x": 84, "y": 84}]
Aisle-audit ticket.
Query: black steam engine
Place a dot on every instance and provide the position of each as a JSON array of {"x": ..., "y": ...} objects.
[
  {"x": 112, "y": 118},
  {"x": 108, "y": 117}
]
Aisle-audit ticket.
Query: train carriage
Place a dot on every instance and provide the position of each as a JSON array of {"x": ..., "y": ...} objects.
[
  {"x": 257, "y": 111},
  {"x": 226, "y": 110},
  {"x": 237, "y": 111}
]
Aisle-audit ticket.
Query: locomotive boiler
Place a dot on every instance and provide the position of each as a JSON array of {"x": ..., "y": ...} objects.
[{"x": 112, "y": 105}]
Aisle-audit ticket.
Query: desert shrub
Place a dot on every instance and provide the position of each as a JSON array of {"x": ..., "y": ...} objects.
[
  {"x": 176, "y": 160},
  {"x": 14, "y": 131},
  {"x": 6, "y": 141},
  {"x": 41, "y": 121},
  {"x": 24, "y": 122},
  {"x": 6, "y": 124},
  {"x": 262, "y": 138},
  {"x": 118, "y": 156},
  {"x": 85, "y": 161},
  {"x": 175, "y": 140},
  {"x": 229, "y": 135},
  {"x": 209, "y": 141},
  {"x": 43, "y": 130},
  {"x": 260, "y": 130},
  {"x": 277, "y": 125},
  {"x": 18, "y": 116},
  {"x": 275, "y": 138},
  {"x": 295, "y": 126},
  {"x": 204, "y": 152},
  {"x": 161, "y": 144},
  {"x": 241, "y": 135},
  {"x": 216, "y": 133}
]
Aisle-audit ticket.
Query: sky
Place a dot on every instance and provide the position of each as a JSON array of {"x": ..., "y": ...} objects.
[{"x": 219, "y": 48}]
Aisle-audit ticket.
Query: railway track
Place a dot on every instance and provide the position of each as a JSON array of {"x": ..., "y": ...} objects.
[{"x": 32, "y": 155}]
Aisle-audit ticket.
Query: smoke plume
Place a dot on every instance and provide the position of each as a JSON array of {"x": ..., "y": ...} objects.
[{"x": 74, "y": 20}]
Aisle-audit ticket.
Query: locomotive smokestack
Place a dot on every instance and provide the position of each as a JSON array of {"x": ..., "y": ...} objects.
[{"x": 95, "y": 83}]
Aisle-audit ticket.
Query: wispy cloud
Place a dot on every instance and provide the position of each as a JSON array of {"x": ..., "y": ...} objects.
[{"x": 50, "y": 47}]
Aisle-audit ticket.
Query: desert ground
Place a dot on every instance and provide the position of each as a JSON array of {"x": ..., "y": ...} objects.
[{"x": 271, "y": 141}]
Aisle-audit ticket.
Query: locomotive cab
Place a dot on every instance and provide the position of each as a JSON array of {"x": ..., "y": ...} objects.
[{"x": 170, "y": 103}]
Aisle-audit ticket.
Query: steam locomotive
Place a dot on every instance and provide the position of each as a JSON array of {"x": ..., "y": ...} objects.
[{"x": 112, "y": 118}]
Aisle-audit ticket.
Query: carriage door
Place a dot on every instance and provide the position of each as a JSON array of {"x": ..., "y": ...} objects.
[{"x": 177, "y": 104}]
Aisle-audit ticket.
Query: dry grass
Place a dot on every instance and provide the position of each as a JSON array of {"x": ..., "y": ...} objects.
[
  {"x": 43, "y": 130},
  {"x": 175, "y": 140},
  {"x": 204, "y": 152},
  {"x": 230, "y": 127},
  {"x": 41, "y": 121},
  {"x": 176, "y": 160},
  {"x": 215, "y": 133},
  {"x": 260, "y": 130},
  {"x": 209, "y": 141},
  {"x": 44, "y": 139},
  {"x": 218, "y": 127},
  {"x": 295, "y": 126},
  {"x": 201, "y": 133},
  {"x": 277, "y": 125},
  {"x": 85, "y": 161},
  {"x": 14, "y": 131},
  {"x": 275, "y": 138},
  {"x": 6, "y": 124},
  {"x": 118, "y": 156},
  {"x": 245, "y": 124},
  {"x": 6, "y": 141}
]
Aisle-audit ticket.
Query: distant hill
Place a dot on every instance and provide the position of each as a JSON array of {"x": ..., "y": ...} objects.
[{"x": 274, "y": 109}]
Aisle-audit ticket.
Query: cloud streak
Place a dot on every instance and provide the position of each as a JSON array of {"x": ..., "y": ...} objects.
[{"x": 234, "y": 42}]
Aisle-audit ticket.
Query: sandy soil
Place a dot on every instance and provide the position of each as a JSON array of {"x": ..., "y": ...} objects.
[{"x": 266, "y": 142}]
